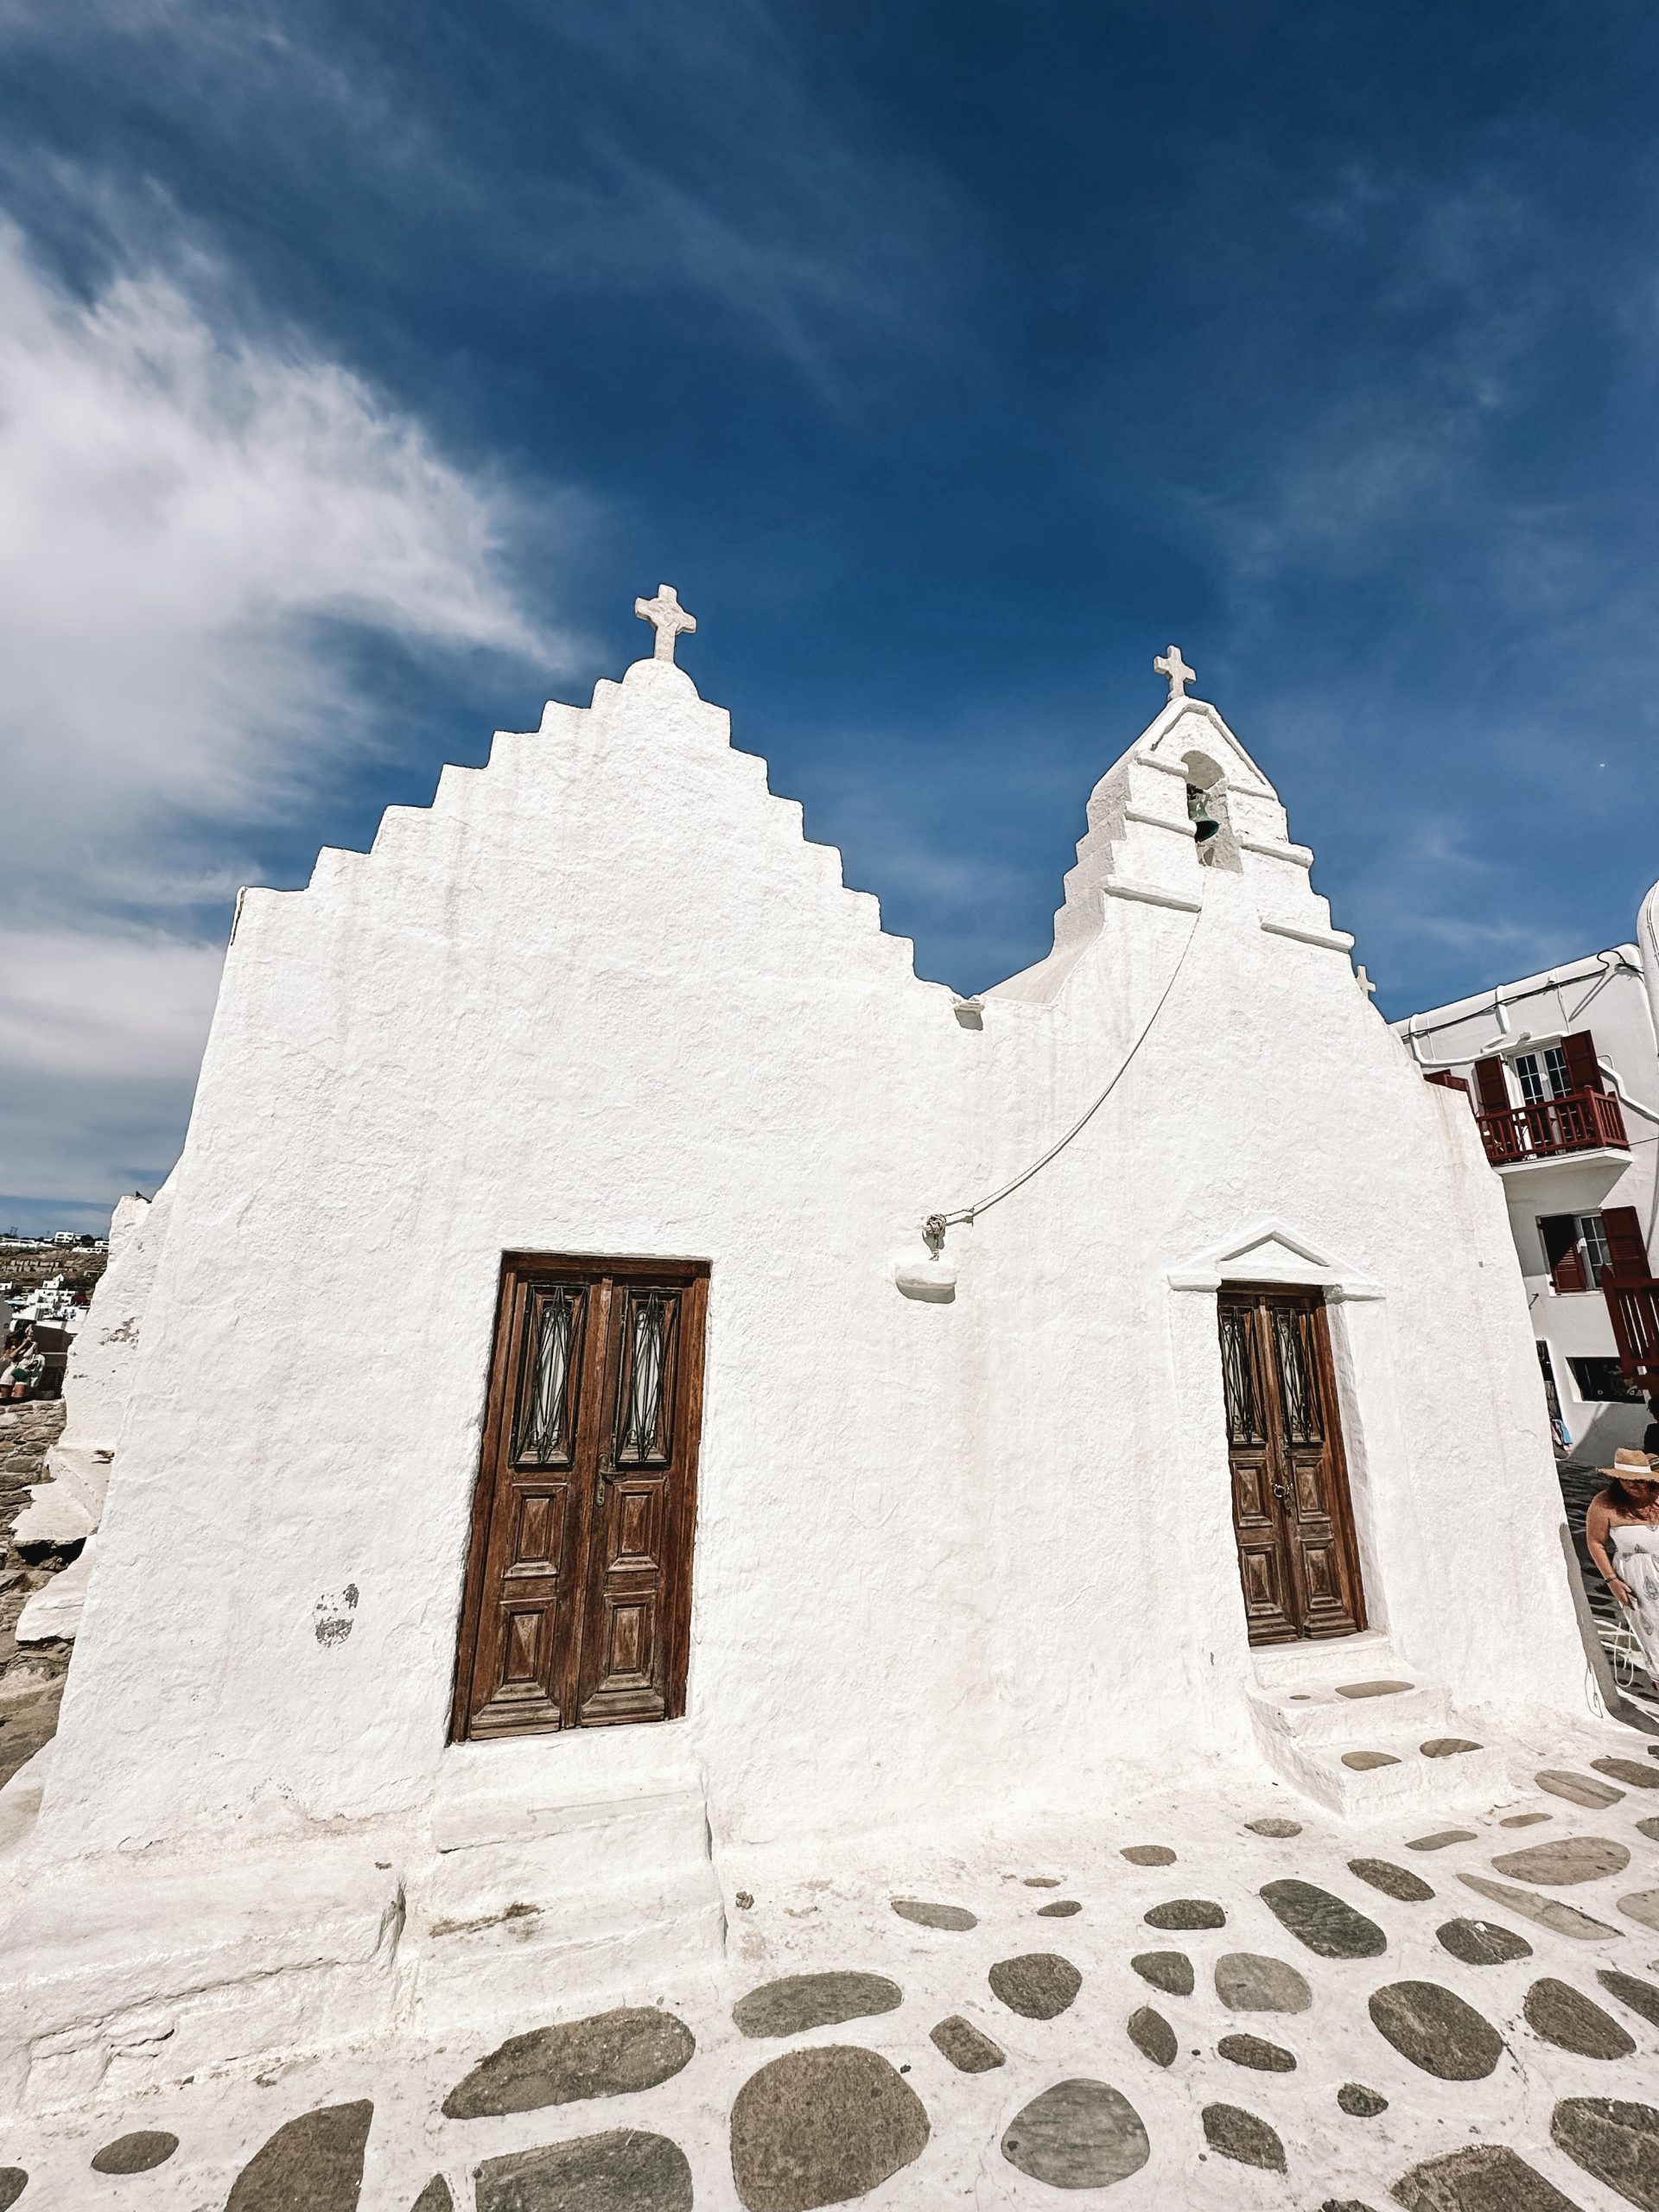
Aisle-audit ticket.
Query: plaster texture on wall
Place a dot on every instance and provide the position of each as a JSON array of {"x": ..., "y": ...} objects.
[{"x": 604, "y": 997}]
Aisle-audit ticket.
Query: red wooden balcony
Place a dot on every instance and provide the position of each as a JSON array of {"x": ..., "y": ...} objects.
[{"x": 1583, "y": 1121}]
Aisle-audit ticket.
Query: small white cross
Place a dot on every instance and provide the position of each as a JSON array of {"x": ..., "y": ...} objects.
[
  {"x": 1171, "y": 664},
  {"x": 667, "y": 617},
  {"x": 1364, "y": 982}
]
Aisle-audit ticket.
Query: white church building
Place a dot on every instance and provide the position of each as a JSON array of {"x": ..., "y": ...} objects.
[{"x": 626, "y": 1383}]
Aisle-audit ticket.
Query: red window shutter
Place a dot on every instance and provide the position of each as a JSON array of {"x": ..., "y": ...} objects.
[
  {"x": 1583, "y": 1070},
  {"x": 1491, "y": 1088},
  {"x": 1560, "y": 1232},
  {"x": 1627, "y": 1247}
]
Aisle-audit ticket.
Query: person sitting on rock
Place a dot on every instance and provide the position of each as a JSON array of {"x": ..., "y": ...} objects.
[{"x": 20, "y": 1375}]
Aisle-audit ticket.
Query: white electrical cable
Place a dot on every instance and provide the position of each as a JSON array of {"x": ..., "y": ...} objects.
[{"x": 939, "y": 1223}]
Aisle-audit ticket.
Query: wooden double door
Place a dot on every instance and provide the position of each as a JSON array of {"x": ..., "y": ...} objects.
[
  {"x": 1292, "y": 1515},
  {"x": 578, "y": 1598}
]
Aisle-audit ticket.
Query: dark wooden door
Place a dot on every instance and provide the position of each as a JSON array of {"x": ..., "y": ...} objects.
[
  {"x": 577, "y": 1608},
  {"x": 1297, "y": 1556}
]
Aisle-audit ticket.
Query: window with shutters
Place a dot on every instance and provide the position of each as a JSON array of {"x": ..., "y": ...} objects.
[
  {"x": 1542, "y": 1075},
  {"x": 1593, "y": 1238},
  {"x": 1559, "y": 1235},
  {"x": 1577, "y": 1248}
]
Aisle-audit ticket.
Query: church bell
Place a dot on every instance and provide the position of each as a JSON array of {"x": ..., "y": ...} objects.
[{"x": 1204, "y": 822}]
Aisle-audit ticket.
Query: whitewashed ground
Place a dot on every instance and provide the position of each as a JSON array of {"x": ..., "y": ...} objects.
[{"x": 844, "y": 1920}]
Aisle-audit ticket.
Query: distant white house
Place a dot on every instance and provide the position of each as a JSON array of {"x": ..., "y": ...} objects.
[{"x": 1561, "y": 1071}]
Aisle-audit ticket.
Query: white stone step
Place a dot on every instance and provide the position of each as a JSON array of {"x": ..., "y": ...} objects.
[
  {"x": 84, "y": 1472},
  {"x": 1371, "y": 1769},
  {"x": 54, "y": 1517},
  {"x": 528, "y": 1907},
  {"x": 1323, "y": 1714},
  {"x": 1368, "y": 1657},
  {"x": 53, "y": 1613}
]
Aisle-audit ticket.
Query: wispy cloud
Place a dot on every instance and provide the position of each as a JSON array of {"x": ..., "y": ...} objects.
[{"x": 194, "y": 523}]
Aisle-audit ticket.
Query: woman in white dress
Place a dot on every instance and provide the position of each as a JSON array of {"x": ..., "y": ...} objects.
[{"x": 1626, "y": 1516}]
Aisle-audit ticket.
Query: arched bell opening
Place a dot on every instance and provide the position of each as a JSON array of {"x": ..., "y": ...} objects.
[{"x": 1206, "y": 808}]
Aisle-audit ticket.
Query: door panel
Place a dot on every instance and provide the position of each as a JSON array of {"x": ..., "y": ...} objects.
[
  {"x": 1298, "y": 1562},
  {"x": 577, "y": 1607}
]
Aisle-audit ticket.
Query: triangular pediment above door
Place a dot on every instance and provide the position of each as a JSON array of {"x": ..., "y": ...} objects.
[{"x": 1271, "y": 1251}]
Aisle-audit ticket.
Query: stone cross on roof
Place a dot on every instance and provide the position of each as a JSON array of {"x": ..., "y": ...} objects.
[
  {"x": 667, "y": 617},
  {"x": 1170, "y": 663}
]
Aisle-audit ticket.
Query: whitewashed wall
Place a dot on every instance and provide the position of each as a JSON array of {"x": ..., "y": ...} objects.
[{"x": 603, "y": 997}]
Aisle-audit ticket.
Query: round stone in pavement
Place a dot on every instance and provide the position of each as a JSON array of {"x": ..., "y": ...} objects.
[
  {"x": 1359, "y": 2103},
  {"x": 1061, "y": 1909},
  {"x": 1372, "y": 1689},
  {"x": 435, "y": 2197},
  {"x": 800, "y": 2001},
  {"x": 1560, "y": 1919},
  {"x": 1241, "y": 2136},
  {"x": 1170, "y": 1971},
  {"x": 1325, "y": 1924},
  {"x": 1555, "y": 2011},
  {"x": 13, "y": 2182},
  {"x": 1485, "y": 2177},
  {"x": 1148, "y": 1854},
  {"x": 1630, "y": 1771},
  {"x": 607, "y": 2055},
  {"x": 1649, "y": 1828},
  {"x": 136, "y": 2153},
  {"x": 1563, "y": 1859},
  {"x": 1447, "y": 1747},
  {"x": 1080, "y": 2134},
  {"x": 1256, "y": 2052},
  {"x": 1616, "y": 2143},
  {"x": 1042, "y": 1881},
  {"x": 315, "y": 2160},
  {"x": 1393, "y": 1881},
  {"x": 1439, "y": 1840},
  {"x": 954, "y": 1916},
  {"x": 1153, "y": 2037},
  {"x": 1367, "y": 1762},
  {"x": 625, "y": 2171},
  {"x": 1641, "y": 1996},
  {"x": 1482, "y": 1942},
  {"x": 1186, "y": 1912},
  {"x": 1437, "y": 2031},
  {"x": 1576, "y": 1788},
  {"x": 967, "y": 2049},
  {"x": 1247, "y": 1982},
  {"x": 818, "y": 2126},
  {"x": 1038, "y": 1985},
  {"x": 1274, "y": 1826},
  {"x": 1525, "y": 1819},
  {"x": 1643, "y": 1905}
]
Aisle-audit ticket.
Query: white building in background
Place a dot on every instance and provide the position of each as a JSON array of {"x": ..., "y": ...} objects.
[
  {"x": 1561, "y": 1071},
  {"x": 638, "y": 1390}
]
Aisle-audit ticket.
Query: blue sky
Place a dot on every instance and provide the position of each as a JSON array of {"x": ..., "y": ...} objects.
[{"x": 359, "y": 364}]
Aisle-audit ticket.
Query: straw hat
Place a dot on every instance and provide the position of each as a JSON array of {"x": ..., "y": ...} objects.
[{"x": 1640, "y": 1466}]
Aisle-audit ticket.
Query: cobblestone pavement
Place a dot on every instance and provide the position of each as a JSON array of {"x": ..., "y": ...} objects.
[
  {"x": 1218, "y": 1999},
  {"x": 31, "y": 1680}
]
